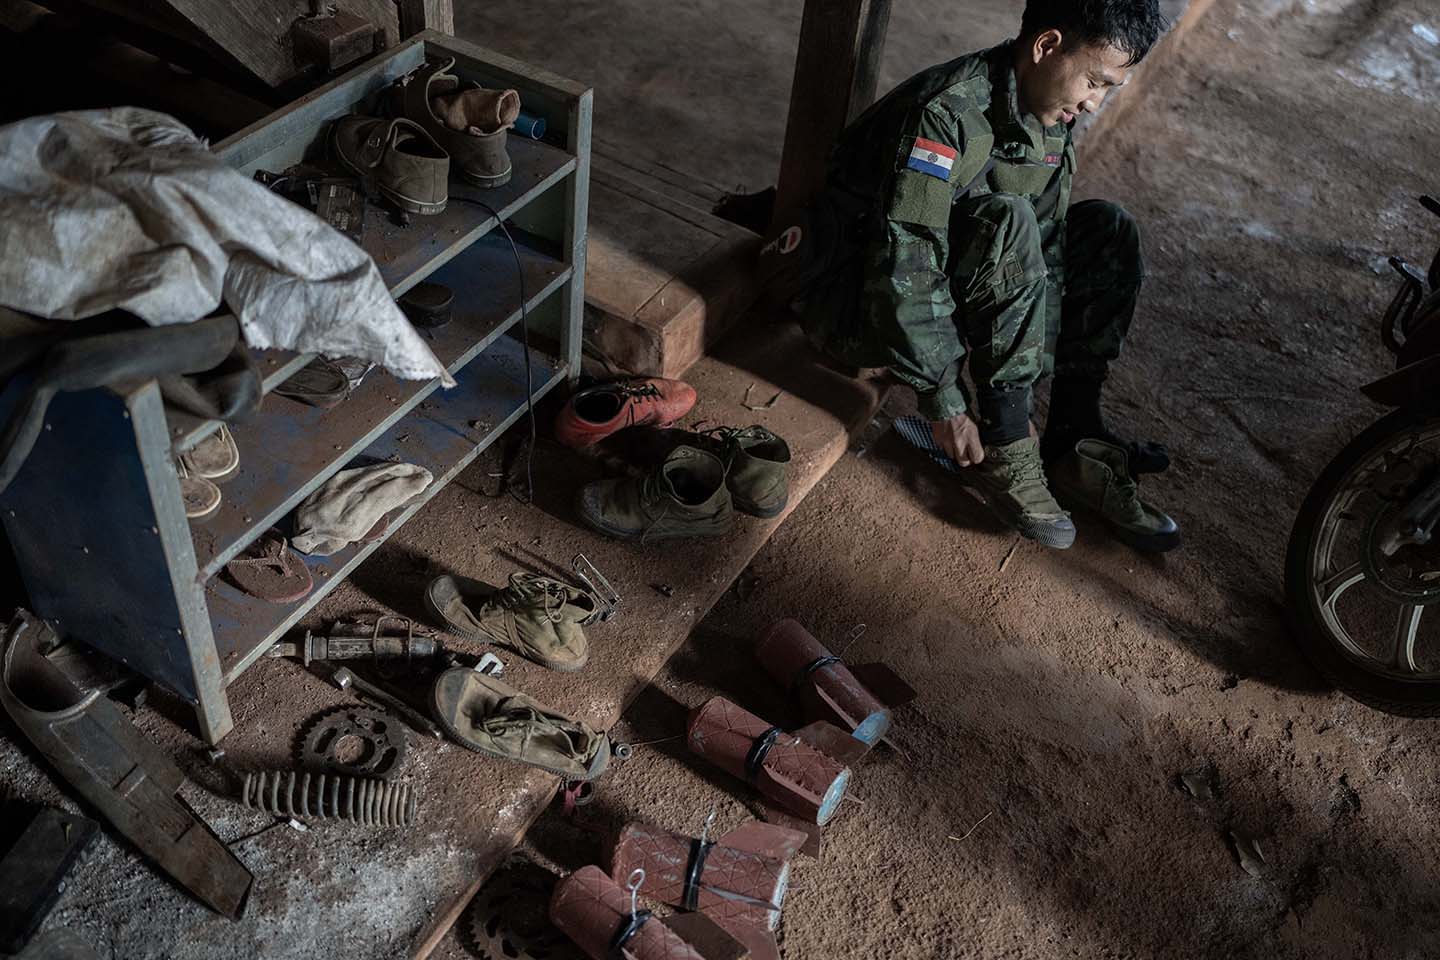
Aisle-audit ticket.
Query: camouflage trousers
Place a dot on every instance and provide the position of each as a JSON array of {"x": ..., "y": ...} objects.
[{"x": 1029, "y": 305}]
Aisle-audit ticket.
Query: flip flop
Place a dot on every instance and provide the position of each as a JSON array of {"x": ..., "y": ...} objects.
[
  {"x": 200, "y": 496},
  {"x": 916, "y": 432},
  {"x": 270, "y": 570},
  {"x": 378, "y": 532},
  {"x": 215, "y": 458}
]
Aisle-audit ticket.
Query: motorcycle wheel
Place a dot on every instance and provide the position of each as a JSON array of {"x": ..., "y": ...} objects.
[{"x": 1370, "y": 621}]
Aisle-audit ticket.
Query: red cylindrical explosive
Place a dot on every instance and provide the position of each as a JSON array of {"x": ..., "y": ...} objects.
[
  {"x": 786, "y": 769},
  {"x": 724, "y": 882},
  {"x": 825, "y": 684},
  {"x": 594, "y": 911}
]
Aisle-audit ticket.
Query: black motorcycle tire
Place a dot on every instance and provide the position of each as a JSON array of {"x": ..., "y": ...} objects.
[{"x": 1413, "y": 698}]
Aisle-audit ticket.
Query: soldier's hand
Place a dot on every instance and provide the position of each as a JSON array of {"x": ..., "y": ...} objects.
[{"x": 960, "y": 438}]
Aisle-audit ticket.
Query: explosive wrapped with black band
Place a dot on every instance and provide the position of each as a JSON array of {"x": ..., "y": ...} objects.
[
  {"x": 827, "y": 688},
  {"x": 787, "y": 770},
  {"x": 819, "y": 663},
  {"x": 738, "y": 880},
  {"x": 755, "y": 759},
  {"x": 699, "y": 850},
  {"x": 596, "y": 913},
  {"x": 629, "y": 926}
]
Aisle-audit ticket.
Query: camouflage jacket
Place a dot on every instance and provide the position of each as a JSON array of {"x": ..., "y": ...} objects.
[{"x": 894, "y": 163}]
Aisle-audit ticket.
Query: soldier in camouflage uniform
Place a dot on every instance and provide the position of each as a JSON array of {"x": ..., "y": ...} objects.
[{"x": 947, "y": 208}]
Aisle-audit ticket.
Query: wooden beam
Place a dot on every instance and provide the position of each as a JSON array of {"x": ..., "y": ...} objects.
[
  {"x": 869, "y": 51},
  {"x": 440, "y": 15},
  {"x": 418, "y": 15},
  {"x": 836, "y": 72}
]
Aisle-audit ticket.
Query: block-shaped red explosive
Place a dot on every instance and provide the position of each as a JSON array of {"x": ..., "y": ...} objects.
[
  {"x": 740, "y": 878},
  {"x": 784, "y": 767},
  {"x": 594, "y": 911}
]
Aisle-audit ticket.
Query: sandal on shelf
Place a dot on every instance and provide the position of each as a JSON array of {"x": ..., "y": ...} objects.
[
  {"x": 270, "y": 570},
  {"x": 215, "y": 458},
  {"x": 201, "y": 496}
]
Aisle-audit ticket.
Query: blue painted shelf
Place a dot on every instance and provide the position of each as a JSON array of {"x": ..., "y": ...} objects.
[
  {"x": 95, "y": 517},
  {"x": 289, "y": 448},
  {"x": 443, "y": 435}
]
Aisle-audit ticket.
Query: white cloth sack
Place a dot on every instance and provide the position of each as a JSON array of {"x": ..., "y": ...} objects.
[
  {"x": 351, "y": 502},
  {"x": 126, "y": 208}
]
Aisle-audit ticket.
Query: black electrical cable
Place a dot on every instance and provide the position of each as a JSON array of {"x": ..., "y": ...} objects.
[{"x": 525, "y": 341}]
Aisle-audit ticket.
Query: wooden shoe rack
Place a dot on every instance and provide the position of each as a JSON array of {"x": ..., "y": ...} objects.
[{"x": 95, "y": 517}]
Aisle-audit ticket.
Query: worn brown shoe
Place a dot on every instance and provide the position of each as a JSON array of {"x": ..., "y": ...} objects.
[
  {"x": 489, "y": 716},
  {"x": 755, "y": 461},
  {"x": 405, "y": 163},
  {"x": 537, "y": 617},
  {"x": 479, "y": 157},
  {"x": 685, "y": 497}
]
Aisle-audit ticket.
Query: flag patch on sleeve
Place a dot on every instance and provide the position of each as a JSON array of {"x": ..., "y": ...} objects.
[{"x": 932, "y": 158}]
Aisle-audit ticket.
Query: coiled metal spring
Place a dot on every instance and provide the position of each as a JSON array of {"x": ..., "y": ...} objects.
[{"x": 292, "y": 793}]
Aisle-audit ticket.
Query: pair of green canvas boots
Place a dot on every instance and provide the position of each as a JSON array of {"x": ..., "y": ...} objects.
[
  {"x": 543, "y": 620},
  {"x": 696, "y": 490},
  {"x": 1094, "y": 475}
]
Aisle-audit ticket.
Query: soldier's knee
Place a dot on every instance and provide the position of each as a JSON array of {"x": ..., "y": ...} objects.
[
  {"x": 1119, "y": 227},
  {"x": 1106, "y": 228},
  {"x": 998, "y": 235},
  {"x": 1013, "y": 218}
]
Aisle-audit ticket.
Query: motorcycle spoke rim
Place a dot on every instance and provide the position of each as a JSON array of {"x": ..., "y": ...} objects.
[{"x": 1391, "y": 647}]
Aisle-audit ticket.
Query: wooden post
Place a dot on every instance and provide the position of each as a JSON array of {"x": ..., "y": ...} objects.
[
  {"x": 836, "y": 71},
  {"x": 869, "y": 51},
  {"x": 418, "y": 15}
]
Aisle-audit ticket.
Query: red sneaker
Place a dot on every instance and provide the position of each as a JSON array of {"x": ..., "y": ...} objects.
[{"x": 596, "y": 412}]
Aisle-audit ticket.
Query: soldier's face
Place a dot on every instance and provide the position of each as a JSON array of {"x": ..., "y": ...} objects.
[{"x": 1059, "y": 81}]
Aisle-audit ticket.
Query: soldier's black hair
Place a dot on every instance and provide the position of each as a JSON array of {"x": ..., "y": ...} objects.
[{"x": 1131, "y": 26}]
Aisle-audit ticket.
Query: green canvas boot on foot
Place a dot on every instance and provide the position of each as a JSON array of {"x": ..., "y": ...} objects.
[
  {"x": 491, "y": 717},
  {"x": 533, "y": 615},
  {"x": 1012, "y": 480},
  {"x": 685, "y": 497},
  {"x": 755, "y": 461},
  {"x": 1096, "y": 476}
]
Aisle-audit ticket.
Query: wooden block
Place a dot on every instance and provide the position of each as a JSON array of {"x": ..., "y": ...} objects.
[
  {"x": 251, "y": 36},
  {"x": 332, "y": 41},
  {"x": 664, "y": 279}
]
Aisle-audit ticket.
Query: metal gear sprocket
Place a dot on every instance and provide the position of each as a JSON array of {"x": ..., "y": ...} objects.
[
  {"x": 355, "y": 740},
  {"x": 510, "y": 916}
]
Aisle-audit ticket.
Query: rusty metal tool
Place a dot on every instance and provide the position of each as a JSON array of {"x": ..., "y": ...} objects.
[
  {"x": 363, "y": 641},
  {"x": 605, "y": 595},
  {"x": 345, "y": 679}
]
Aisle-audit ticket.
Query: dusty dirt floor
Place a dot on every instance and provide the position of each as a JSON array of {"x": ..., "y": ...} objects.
[
  {"x": 1062, "y": 695},
  {"x": 1273, "y": 168}
]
